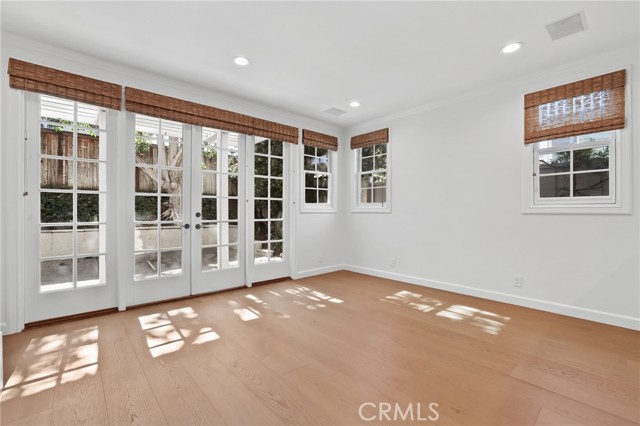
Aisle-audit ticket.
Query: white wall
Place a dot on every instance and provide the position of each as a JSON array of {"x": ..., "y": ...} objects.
[
  {"x": 315, "y": 234},
  {"x": 456, "y": 220}
]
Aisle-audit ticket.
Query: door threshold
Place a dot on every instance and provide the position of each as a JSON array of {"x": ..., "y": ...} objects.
[{"x": 68, "y": 318}]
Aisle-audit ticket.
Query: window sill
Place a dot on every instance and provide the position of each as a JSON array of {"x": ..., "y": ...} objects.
[
  {"x": 603, "y": 209},
  {"x": 385, "y": 209},
  {"x": 310, "y": 208}
]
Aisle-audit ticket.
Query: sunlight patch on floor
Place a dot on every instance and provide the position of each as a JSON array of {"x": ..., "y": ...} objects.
[
  {"x": 164, "y": 335},
  {"x": 52, "y": 360}
]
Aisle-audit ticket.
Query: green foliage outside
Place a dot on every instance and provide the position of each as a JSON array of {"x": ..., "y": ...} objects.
[{"x": 58, "y": 207}]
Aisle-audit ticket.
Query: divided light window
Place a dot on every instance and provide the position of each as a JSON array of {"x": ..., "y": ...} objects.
[
  {"x": 576, "y": 168},
  {"x": 317, "y": 176},
  {"x": 73, "y": 194},
  {"x": 372, "y": 175}
]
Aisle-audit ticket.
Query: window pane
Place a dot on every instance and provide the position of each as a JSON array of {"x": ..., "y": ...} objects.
[
  {"x": 171, "y": 208},
  {"x": 231, "y": 231},
  {"x": 310, "y": 180},
  {"x": 380, "y": 179},
  {"x": 261, "y": 252},
  {"x": 381, "y": 162},
  {"x": 209, "y": 258},
  {"x": 261, "y": 187},
  {"x": 146, "y": 265},
  {"x": 276, "y": 252},
  {"x": 554, "y": 186},
  {"x": 276, "y": 167},
  {"x": 209, "y": 234},
  {"x": 276, "y": 148},
  {"x": 146, "y": 149},
  {"x": 310, "y": 196},
  {"x": 366, "y": 195},
  {"x": 146, "y": 208},
  {"x": 276, "y": 188},
  {"x": 309, "y": 150},
  {"x": 309, "y": 163},
  {"x": 261, "y": 230},
  {"x": 261, "y": 209},
  {"x": 170, "y": 235},
  {"x": 323, "y": 181},
  {"x": 591, "y": 184},
  {"x": 232, "y": 188},
  {"x": 171, "y": 181},
  {"x": 232, "y": 209},
  {"x": 232, "y": 252},
  {"x": 56, "y": 207},
  {"x": 367, "y": 164},
  {"x": 261, "y": 165},
  {"x": 171, "y": 262},
  {"x": 367, "y": 151},
  {"x": 56, "y": 241},
  {"x": 609, "y": 135},
  {"x": 89, "y": 207},
  {"x": 56, "y": 174},
  {"x": 380, "y": 195},
  {"x": 276, "y": 230},
  {"x": 366, "y": 181},
  {"x": 556, "y": 162},
  {"x": 90, "y": 175},
  {"x": 209, "y": 183},
  {"x": 91, "y": 239},
  {"x": 323, "y": 164},
  {"x": 323, "y": 196},
  {"x": 57, "y": 141},
  {"x": 91, "y": 271},
  {"x": 55, "y": 272},
  {"x": 146, "y": 237},
  {"x": 209, "y": 209},
  {"x": 262, "y": 147},
  {"x": 591, "y": 159},
  {"x": 209, "y": 158},
  {"x": 146, "y": 179},
  {"x": 89, "y": 147},
  {"x": 276, "y": 209},
  {"x": 381, "y": 149}
]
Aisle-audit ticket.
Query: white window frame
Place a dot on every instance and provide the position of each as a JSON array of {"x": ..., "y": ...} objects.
[
  {"x": 619, "y": 199},
  {"x": 332, "y": 172},
  {"x": 357, "y": 206}
]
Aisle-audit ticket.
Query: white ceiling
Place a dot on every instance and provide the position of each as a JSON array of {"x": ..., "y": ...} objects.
[{"x": 309, "y": 56}]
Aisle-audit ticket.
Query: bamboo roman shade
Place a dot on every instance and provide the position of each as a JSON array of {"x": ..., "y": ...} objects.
[
  {"x": 372, "y": 138},
  {"x": 319, "y": 140},
  {"x": 36, "y": 78},
  {"x": 587, "y": 106},
  {"x": 169, "y": 108}
]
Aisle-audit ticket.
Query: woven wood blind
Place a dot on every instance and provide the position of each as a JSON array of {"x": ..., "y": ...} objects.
[
  {"x": 319, "y": 140},
  {"x": 372, "y": 138},
  {"x": 49, "y": 81},
  {"x": 155, "y": 105},
  {"x": 587, "y": 106}
]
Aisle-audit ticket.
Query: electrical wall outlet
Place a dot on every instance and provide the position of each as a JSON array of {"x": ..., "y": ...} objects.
[
  {"x": 393, "y": 262},
  {"x": 517, "y": 280}
]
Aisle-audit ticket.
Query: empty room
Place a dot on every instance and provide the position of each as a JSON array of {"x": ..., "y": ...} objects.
[{"x": 264, "y": 213}]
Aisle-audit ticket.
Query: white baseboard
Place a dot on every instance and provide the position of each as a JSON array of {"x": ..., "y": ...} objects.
[
  {"x": 318, "y": 271},
  {"x": 543, "y": 305}
]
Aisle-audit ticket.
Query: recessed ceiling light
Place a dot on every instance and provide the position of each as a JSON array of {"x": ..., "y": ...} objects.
[
  {"x": 354, "y": 104},
  {"x": 512, "y": 47},
  {"x": 241, "y": 60}
]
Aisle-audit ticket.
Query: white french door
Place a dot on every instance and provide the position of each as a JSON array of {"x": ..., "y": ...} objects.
[
  {"x": 209, "y": 210},
  {"x": 218, "y": 203},
  {"x": 69, "y": 260},
  {"x": 267, "y": 204}
]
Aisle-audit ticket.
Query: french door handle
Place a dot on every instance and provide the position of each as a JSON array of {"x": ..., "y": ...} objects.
[
  {"x": 198, "y": 226},
  {"x": 186, "y": 226}
]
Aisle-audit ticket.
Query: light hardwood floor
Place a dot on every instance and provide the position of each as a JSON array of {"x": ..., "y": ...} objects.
[{"x": 313, "y": 351}]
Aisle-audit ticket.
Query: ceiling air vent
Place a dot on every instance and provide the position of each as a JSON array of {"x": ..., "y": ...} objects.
[
  {"x": 567, "y": 26},
  {"x": 335, "y": 111}
]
